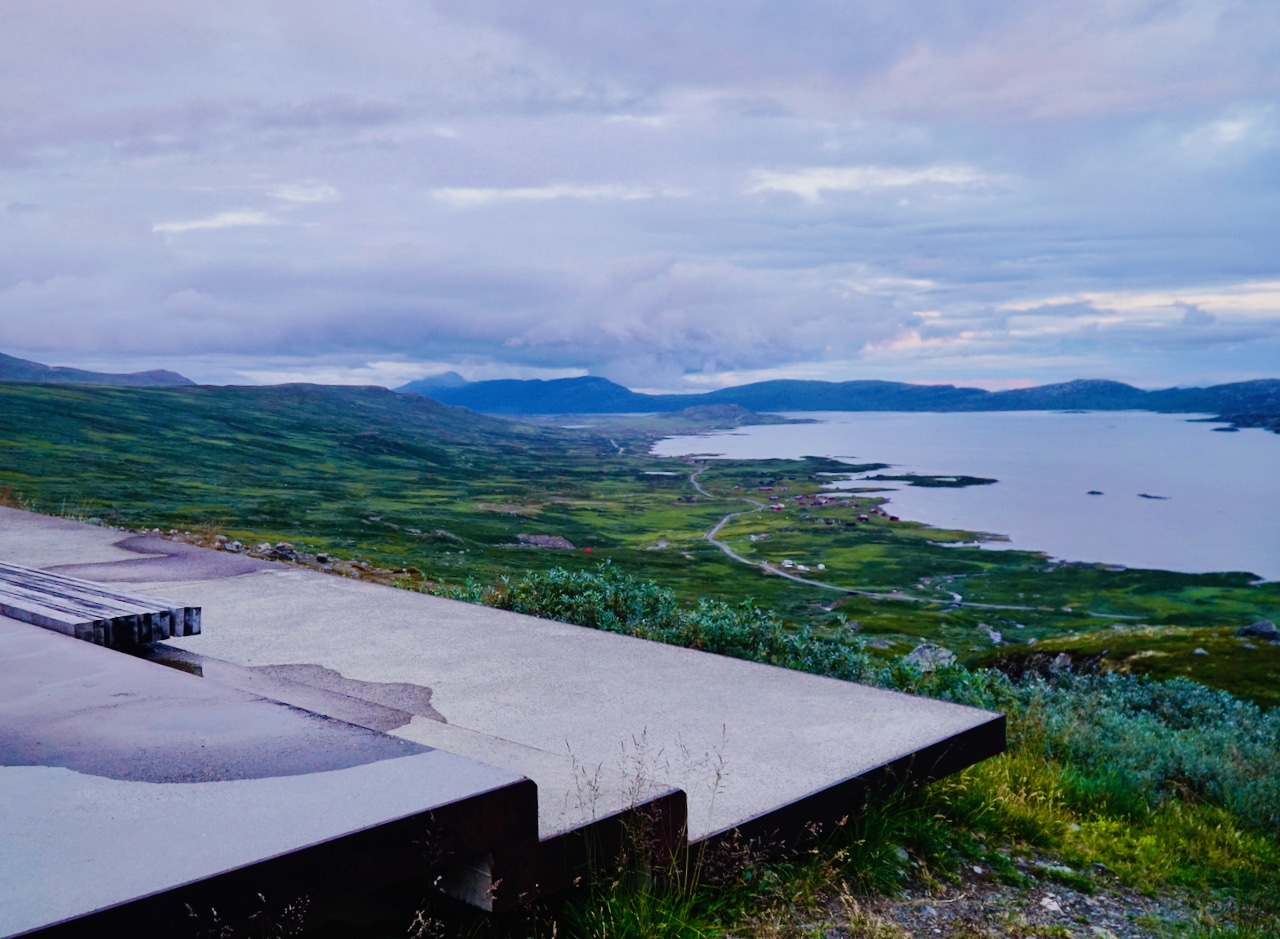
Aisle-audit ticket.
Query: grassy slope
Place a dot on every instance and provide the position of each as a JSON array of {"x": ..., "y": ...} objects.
[
  {"x": 359, "y": 470},
  {"x": 406, "y": 482}
]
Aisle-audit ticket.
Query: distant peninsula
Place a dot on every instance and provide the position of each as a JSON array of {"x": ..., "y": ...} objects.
[
  {"x": 1242, "y": 404},
  {"x": 13, "y": 369}
]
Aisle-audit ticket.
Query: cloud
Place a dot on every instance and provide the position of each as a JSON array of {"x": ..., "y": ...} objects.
[
  {"x": 1194, "y": 316},
  {"x": 466, "y": 197},
  {"x": 810, "y": 183},
  {"x": 1239, "y": 132},
  {"x": 646, "y": 190},
  {"x": 390, "y": 373},
  {"x": 1256, "y": 300},
  {"x": 304, "y": 192},
  {"x": 235, "y": 218},
  {"x": 974, "y": 61}
]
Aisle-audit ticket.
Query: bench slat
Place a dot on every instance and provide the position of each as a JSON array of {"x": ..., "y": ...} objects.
[{"x": 90, "y": 611}]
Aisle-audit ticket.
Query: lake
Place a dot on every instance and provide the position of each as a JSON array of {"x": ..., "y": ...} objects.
[{"x": 1219, "y": 505}]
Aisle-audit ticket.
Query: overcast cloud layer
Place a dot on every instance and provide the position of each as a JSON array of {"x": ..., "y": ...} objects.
[{"x": 672, "y": 195}]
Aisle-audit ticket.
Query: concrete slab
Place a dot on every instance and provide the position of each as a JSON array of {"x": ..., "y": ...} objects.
[
  {"x": 599, "y": 721},
  {"x": 596, "y": 719},
  {"x": 130, "y": 791}
]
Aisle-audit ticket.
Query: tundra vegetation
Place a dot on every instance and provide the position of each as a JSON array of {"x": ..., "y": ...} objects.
[{"x": 1144, "y": 759}]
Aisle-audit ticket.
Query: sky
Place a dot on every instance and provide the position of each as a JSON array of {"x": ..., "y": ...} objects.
[{"x": 676, "y": 196}]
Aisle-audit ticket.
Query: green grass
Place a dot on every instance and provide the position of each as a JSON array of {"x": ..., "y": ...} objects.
[
  {"x": 1164, "y": 783},
  {"x": 404, "y": 482},
  {"x": 1211, "y": 655},
  {"x": 1155, "y": 785}
]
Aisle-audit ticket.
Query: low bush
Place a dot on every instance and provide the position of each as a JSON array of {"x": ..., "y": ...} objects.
[
  {"x": 1133, "y": 743},
  {"x": 1124, "y": 744}
]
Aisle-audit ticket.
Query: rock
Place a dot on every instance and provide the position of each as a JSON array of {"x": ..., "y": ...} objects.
[
  {"x": 322, "y": 558},
  {"x": 1199, "y": 651},
  {"x": 1056, "y": 869},
  {"x": 1262, "y": 629},
  {"x": 927, "y": 656},
  {"x": 1061, "y": 663},
  {"x": 546, "y": 541},
  {"x": 221, "y": 539},
  {"x": 1050, "y": 904},
  {"x": 235, "y": 546}
]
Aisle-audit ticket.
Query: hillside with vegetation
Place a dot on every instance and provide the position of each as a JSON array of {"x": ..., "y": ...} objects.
[
  {"x": 13, "y": 369},
  {"x": 1139, "y": 795}
]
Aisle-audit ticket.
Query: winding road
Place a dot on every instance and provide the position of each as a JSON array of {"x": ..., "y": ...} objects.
[
  {"x": 956, "y": 599},
  {"x": 769, "y": 568}
]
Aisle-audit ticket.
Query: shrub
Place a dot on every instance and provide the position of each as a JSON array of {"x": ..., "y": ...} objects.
[
  {"x": 1132, "y": 743},
  {"x": 1123, "y": 745}
]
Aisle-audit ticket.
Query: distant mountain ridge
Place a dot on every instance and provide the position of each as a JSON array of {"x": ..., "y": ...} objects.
[
  {"x": 592, "y": 395},
  {"x": 13, "y": 369}
]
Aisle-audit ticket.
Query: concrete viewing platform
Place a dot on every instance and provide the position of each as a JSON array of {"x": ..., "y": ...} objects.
[{"x": 341, "y": 709}]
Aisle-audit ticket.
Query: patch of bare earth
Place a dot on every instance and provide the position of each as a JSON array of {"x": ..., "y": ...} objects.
[{"x": 979, "y": 907}]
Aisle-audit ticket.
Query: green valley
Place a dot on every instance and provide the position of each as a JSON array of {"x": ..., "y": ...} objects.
[{"x": 441, "y": 496}]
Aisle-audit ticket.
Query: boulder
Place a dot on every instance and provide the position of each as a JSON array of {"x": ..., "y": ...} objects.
[
  {"x": 927, "y": 656},
  {"x": 546, "y": 541},
  {"x": 1061, "y": 663},
  {"x": 1262, "y": 629}
]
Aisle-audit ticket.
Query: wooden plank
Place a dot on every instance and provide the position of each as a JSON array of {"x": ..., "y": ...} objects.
[{"x": 94, "y": 612}]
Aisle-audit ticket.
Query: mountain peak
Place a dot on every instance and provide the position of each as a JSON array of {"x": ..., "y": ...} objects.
[{"x": 439, "y": 380}]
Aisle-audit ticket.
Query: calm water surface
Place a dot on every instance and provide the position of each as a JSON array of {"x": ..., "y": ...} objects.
[{"x": 1220, "y": 509}]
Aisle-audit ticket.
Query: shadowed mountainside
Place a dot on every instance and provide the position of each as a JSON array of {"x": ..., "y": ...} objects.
[{"x": 1251, "y": 403}]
